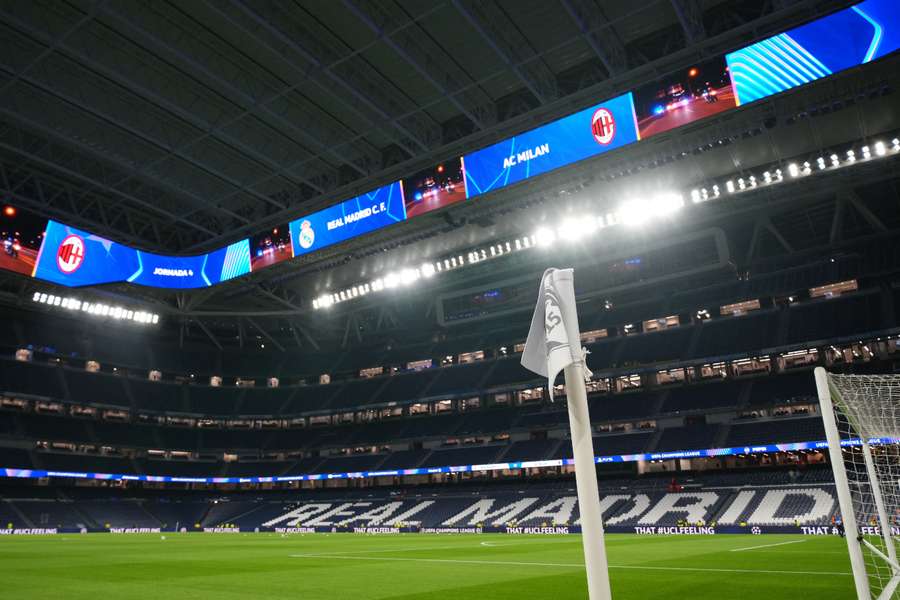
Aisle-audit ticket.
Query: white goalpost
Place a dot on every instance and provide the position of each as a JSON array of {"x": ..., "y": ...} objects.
[{"x": 861, "y": 414}]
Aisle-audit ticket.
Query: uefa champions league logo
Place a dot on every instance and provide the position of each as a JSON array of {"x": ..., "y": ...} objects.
[
  {"x": 307, "y": 235},
  {"x": 756, "y": 531}
]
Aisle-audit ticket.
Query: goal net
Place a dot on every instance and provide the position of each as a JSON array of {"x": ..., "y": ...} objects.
[{"x": 861, "y": 414}]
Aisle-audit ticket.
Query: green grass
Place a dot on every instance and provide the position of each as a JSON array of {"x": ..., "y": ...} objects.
[{"x": 349, "y": 566}]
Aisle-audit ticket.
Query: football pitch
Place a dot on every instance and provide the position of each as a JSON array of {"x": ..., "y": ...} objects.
[{"x": 415, "y": 566}]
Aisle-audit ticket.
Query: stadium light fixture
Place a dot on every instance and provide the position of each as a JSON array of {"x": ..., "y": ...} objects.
[
  {"x": 409, "y": 276},
  {"x": 117, "y": 313},
  {"x": 572, "y": 230},
  {"x": 391, "y": 281},
  {"x": 545, "y": 237},
  {"x": 633, "y": 212}
]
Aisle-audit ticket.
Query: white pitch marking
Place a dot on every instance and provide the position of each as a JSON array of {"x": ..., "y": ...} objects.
[
  {"x": 563, "y": 565},
  {"x": 768, "y": 546}
]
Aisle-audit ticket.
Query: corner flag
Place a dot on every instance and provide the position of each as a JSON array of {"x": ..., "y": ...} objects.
[
  {"x": 554, "y": 341},
  {"x": 554, "y": 345}
]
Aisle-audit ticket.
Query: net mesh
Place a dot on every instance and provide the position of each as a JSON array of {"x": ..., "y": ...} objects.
[{"x": 867, "y": 408}]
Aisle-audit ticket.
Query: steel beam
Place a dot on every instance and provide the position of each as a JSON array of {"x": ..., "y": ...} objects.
[
  {"x": 420, "y": 68},
  {"x": 690, "y": 15},
  {"x": 266, "y": 334},
  {"x": 533, "y": 83},
  {"x": 387, "y": 122},
  {"x": 590, "y": 20},
  {"x": 246, "y": 100}
]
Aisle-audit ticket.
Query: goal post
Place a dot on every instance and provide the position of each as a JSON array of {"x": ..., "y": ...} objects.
[{"x": 861, "y": 414}]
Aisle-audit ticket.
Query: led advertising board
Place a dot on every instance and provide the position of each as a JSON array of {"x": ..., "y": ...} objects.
[
  {"x": 73, "y": 258},
  {"x": 617, "y": 458},
  {"x": 366, "y": 213},
  {"x": 21, "y": 234},
  {"x": 841, "y": 40},
  {"x": 592, "y": 131}
]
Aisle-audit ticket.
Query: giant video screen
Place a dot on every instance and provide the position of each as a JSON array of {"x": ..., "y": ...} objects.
[
  {"x": 363, "y": 214},
  {"x": 847, "y": 38},
  {"x": 603, "y": 127},
  {"x": 22, "y": 233},
  {"x": 72, "y": 257}
]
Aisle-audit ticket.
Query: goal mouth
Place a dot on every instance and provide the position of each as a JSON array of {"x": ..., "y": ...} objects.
[{"x": 861, "y": 415}]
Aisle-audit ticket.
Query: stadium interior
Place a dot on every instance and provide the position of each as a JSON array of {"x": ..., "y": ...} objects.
[{"x": 373, "y": 382}]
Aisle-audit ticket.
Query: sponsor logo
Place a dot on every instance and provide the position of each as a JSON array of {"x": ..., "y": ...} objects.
[
  {"x": 70, "y": 254},
  {"x": 28, "y": 531},
  {"x": 603, "y": 126},
  {"x": 675, "y": 530},
  {"x": 307, "y": 236},
  {"x": 376, "y": 530},
  {"x": 451, "y": 530},
  {"x": 537, "y": 530},
  {"x": 295, "y": 530}
]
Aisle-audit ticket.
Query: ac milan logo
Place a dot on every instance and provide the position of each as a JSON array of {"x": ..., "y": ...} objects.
[
  {"x": 603, "y": 126},
  {"x": 70, "y": 254}
]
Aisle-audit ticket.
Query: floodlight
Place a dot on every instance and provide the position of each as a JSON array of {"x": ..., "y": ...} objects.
[
  {"x": 408, "y": 276},
  {"x": 545, "y": 237},
  {"x": 391, "y": 280}
]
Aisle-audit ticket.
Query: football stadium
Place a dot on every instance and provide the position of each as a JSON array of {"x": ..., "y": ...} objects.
[{"x": 457, "y": 299}]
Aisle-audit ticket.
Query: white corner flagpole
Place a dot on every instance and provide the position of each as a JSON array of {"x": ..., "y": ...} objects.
[
  {"x": 586, "y": 483},
  {"x": 554, "y": 345}
]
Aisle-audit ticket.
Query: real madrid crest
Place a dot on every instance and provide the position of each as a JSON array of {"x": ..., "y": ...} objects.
[{"x": 307, "y": 235}]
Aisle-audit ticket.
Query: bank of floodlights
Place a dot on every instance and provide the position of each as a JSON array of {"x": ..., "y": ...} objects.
[
  {"x": 637, "y": 212},
  {"x": 96, "y": 309}
]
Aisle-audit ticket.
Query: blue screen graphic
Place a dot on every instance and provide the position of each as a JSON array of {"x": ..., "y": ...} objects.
[
  {"x": 363, "y": 214},
  {"x": 592, "y": 131},
  {"x": 845, "y": 39},
  {"x": 74, "y": 258}
]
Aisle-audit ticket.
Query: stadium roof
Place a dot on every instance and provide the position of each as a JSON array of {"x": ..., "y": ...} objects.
[{"x": 180, "y": 127}]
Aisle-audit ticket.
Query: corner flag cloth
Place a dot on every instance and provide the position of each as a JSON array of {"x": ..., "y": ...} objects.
[{"x": 554, "y": 340}]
